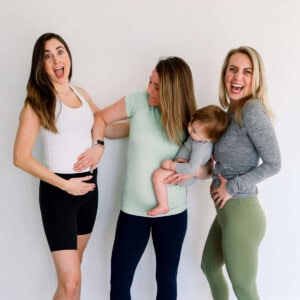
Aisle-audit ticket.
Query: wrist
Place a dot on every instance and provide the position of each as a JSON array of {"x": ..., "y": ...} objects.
[
  {"x": 172, "y": 165},
  {"x": 63, "y": 184},
  {"x": 98, "y": 143}
]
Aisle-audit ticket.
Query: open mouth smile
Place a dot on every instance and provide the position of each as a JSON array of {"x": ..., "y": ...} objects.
[
  {"x": 236, "y": 88},
  {"x": 59, "y": 72}
]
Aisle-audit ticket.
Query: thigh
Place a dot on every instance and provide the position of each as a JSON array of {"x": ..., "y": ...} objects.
[
  {"x": 242, "y": 235},
  {"x": 168, "y": 235},
  {"x": 87, "y": 212},
  {"x": 67, "y": 264},
  {"x": 82, "y": 241},
  {"x": 58, "y": 210},
  {"x": 131, "y": 238},
  {"x": 212, "y": 256}
]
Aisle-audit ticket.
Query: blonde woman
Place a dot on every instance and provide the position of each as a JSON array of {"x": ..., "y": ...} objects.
[
  {"x": 158, "y": 121},
  {"x": 246, "y": 154}
]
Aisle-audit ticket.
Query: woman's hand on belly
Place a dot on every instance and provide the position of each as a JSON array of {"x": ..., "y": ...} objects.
[
  {"x": 220, "y": 194},
  {"x": 89, "y": 158},
  {"x": 78, "y": 186}
]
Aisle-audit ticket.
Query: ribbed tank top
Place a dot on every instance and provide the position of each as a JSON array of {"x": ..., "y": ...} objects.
[{"x": 74, "y": 136}]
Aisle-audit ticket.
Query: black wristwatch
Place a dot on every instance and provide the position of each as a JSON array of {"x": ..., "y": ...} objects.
[{"x": 99, "y": 143}]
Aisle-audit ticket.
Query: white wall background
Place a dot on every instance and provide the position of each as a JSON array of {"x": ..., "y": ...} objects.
[{"x": 115, "y": 45}]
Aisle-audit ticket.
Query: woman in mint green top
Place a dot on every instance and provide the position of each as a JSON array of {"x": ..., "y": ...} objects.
[
  {"x": 158, "y": 121},
  {"x": 148, "y": 146}
]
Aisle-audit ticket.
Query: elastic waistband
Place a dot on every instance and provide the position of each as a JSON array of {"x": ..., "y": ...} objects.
[
  {"x": 76, "y": 175},
  {"x": 250, "y": 201}
]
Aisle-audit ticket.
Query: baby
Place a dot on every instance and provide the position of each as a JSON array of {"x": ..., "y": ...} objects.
[{"x": 206, "y": 127}]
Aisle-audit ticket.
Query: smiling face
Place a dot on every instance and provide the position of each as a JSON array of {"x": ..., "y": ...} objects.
[
  {"x": 238, "y": 76},
  {"x": 153, "y": 89},
  {"x": 57, "y": 62}
]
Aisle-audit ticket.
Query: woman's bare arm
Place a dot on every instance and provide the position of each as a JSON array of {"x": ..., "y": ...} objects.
[
  {"x": 28, "y": 130},
  {"x": 111, "y": 114},
  {"x": 117, "y": 130}
]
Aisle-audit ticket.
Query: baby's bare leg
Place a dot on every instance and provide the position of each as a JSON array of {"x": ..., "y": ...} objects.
[{"x": 161, "y": 192}]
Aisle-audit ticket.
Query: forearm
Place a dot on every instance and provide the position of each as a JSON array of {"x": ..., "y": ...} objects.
[
  {"x": 193, "y": 168},
  {"x": 243, "y": 182},
  {"x": 204, "y": 172},
  {"x": 38, "y": 170},
  {"x": 198, "y": 154},
  {"x": 186, "y": 168},
  {"x": 99, "y": 127}
]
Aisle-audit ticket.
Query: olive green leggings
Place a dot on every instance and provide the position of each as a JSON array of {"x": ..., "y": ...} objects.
[{"x": 234, "y": 239}]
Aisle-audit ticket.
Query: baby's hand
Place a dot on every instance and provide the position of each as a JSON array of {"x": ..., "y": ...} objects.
[{"x": 181, "y": 160}]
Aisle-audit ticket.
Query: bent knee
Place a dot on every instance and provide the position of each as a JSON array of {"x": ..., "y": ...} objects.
[
  {"x": 211, "y": 268},
  {"x": 245, "y": 289},
  {"x": 71, "y": 284},
  {"x": 158, "y": 175},
  {"x": 204, "y": 267}
]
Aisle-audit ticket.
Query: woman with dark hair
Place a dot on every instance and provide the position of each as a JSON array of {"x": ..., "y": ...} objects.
[{"x": 68, "y": 198}]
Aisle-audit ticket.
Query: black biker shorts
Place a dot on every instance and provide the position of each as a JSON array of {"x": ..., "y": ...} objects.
[{"x": 65, "y": 216}]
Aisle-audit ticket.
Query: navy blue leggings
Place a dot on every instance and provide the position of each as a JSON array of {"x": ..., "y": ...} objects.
[{"x": 132, "y": 235}]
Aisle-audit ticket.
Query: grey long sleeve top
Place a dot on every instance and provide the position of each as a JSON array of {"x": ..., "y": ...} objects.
[
  {"x": 197, "y": 153},
  {"x": 249, "y": 154}
]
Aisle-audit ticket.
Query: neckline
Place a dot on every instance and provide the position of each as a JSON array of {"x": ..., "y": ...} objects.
[{"x": 76, "y": 94}]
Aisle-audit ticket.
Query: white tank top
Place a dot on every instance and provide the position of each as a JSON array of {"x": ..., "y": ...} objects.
[{"x": 74, "y": 136}]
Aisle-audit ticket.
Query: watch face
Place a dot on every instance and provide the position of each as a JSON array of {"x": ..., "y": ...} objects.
[{"x": 99, "y": 142}]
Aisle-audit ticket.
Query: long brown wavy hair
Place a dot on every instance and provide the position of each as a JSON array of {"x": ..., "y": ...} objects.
[
  {"x": 177, "y": 99},
  {"x": 40, "y": 91}
]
